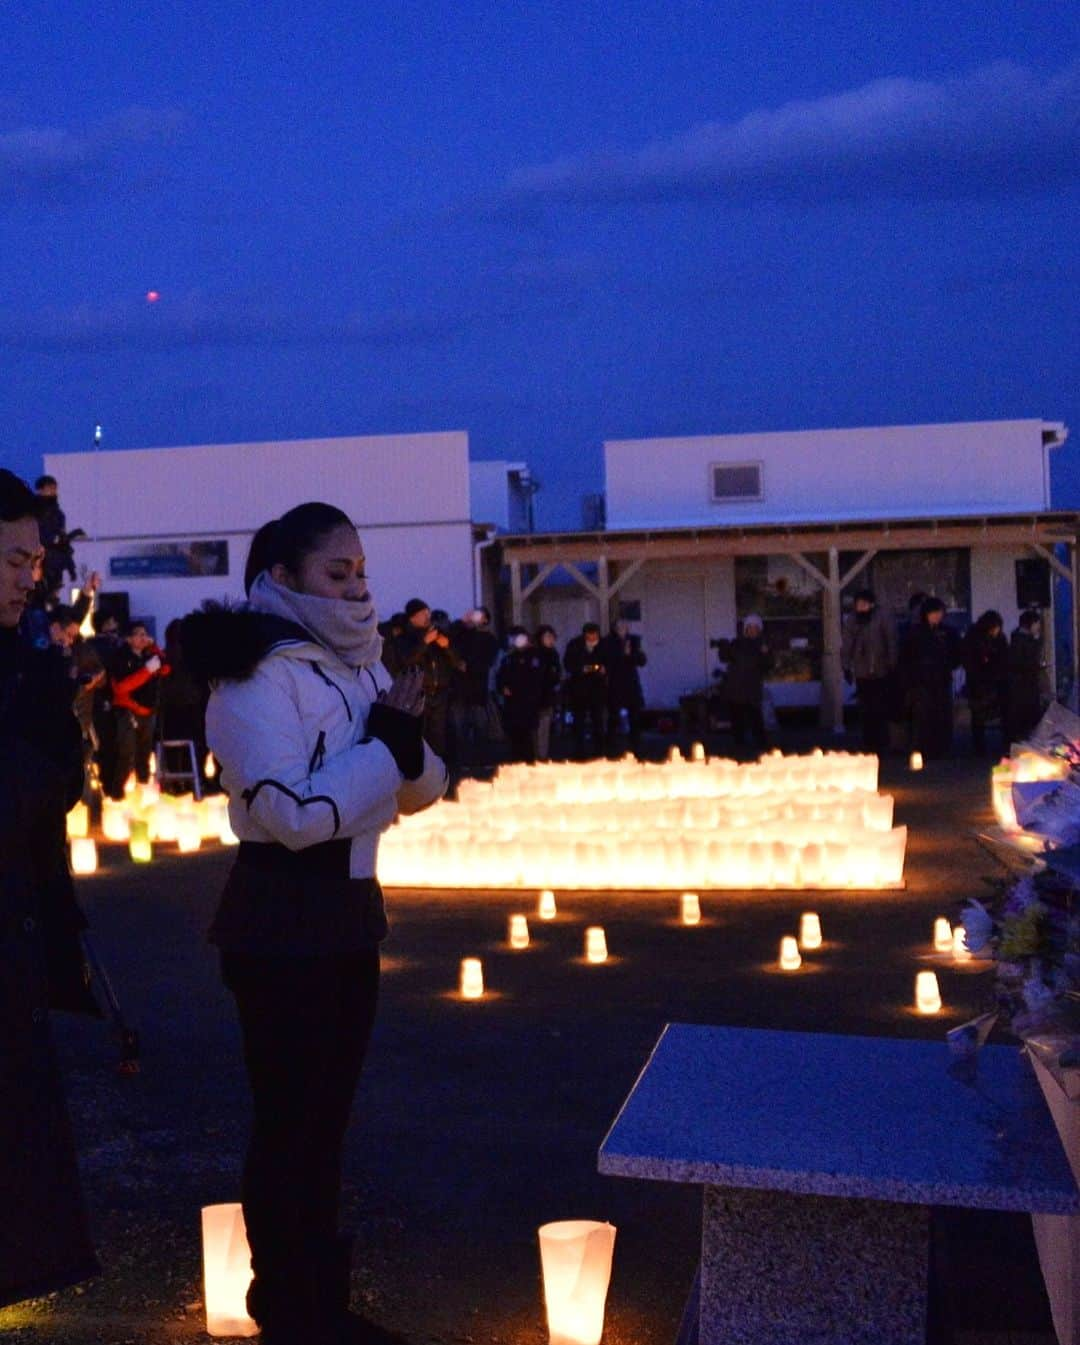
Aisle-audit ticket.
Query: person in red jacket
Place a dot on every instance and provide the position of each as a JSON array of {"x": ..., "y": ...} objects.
[{"x": 136, "y": 672}]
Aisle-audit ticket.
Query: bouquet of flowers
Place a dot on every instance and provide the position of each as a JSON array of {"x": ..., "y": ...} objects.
[{"x": 1032, "y": 932}]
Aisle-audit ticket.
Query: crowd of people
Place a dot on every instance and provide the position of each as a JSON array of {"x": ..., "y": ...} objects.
[{"x": 479, "y": 690}]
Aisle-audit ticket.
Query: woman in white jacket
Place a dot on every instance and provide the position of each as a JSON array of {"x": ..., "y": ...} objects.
[{"x": 320, "y": 750}]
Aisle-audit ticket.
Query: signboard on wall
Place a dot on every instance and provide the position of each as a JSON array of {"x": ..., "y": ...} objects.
[{"x": 174, "y": 560}]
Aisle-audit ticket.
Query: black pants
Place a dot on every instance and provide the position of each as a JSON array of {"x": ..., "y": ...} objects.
[
  {"x": 589, "y": 717},
  {"x": 306, "y": 1023},
  {"x": 932, "y": 719},
  {"x": 873, "y": 695},
  {"x": 633, "y": 720},
  {"x": 747, "y": 720}
]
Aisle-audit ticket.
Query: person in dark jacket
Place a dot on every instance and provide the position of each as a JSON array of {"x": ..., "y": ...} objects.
[
  {"x": 748, "y": 660},
  {"x": 52, "y": 531},
  {"x": 44, "y": 1242},
  {"x": 623, "y": 656},
  {"x": 932, "y": 652},
  {"x": 1025, "y": 700},
  {"x": 423, "y": 645},
  {"x": 181, "y": 700},
  {"x": 519, "y": 682},
  {"x": 547, "y": 647},
  {"x": 868, "y": 656},
  {"x": 320, "y": 750},
  {"x": 477, "y": 646},
  {"x": 586, "y": 689},
  {"x": 985, "y": 656}
]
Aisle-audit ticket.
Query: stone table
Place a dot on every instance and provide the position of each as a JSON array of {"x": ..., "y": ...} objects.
[{"x": 821, "y": 1157}]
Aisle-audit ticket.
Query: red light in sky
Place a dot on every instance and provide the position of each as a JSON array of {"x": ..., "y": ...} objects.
[{"x": 152, "y": 296}]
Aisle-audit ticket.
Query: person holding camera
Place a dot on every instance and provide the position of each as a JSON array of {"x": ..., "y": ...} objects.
[
  {"x": 623, "y": 655},
  {"x": 137, "y": 670},
  {"x": 44, "y": 1242},
  {"x": 519, "y": 682},
  {"x": 320, "y": 750},
  {"x": 748, "y": 659},
  {"x": 587, "y": 688},
  {"x": 425, "y": 645}
]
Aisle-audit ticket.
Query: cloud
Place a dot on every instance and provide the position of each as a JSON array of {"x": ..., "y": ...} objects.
[
  {"x": 193, "y": 321},
  {"x": 1002, "y": 130},
  {"x": 55, "y": 163}
]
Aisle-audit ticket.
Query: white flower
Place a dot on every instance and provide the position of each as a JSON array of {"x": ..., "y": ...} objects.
[{"x": 978, "y": 926}]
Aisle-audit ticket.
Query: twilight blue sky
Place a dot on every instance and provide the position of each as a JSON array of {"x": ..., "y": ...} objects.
[{"x": 548, "y": 224}]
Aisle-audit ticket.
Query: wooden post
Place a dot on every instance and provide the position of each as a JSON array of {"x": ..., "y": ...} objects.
[
  {"x": 603, "y": 595},
  {"x": 832, "y": 673},
  {"x": 516, "y": 607}
]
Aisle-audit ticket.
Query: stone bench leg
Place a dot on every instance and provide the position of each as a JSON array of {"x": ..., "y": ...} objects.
[{"x": 780, "y": 1269}]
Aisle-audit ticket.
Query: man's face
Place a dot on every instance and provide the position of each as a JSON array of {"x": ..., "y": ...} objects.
[
  {"x": 63, "y": 636},
  {"x": 422, "y": 619},
  {"x": 591, "y": 639},
  {"x": 862, "y": 606},
  {"x": 47, "y": 492},
  {"x": 110, "y": 626},
  {"x": 139, "y": 640},
  {"x": 935, "y": 618},
  {"x": 20, "y": 560}
]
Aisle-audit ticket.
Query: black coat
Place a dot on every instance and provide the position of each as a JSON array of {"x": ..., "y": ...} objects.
[
  {"x": 520, "y": 683},
  {"x": 929, "y": 655},
  {"x": 623, "y": 658},
  {"x": 748, "y": 662},
  {"x": 44, "y": 1242},
  {"x": 986, "y": 671},
  {"x": 586, "y": 674},
  {"x": 478, "y": 648},
  {"x": 1025, "y": 697},
  {"x": 552, "y": 666}
]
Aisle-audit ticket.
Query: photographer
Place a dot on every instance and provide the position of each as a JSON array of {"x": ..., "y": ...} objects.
[
  {"x": 425, "y": 646},
  {"x": 623, "y": 656},
  {"x": 586, "y": 688},
  {"x": 44, "y": 1243}
]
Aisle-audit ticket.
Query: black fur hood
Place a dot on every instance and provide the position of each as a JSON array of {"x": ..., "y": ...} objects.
[{"x": 227, "y": 641}]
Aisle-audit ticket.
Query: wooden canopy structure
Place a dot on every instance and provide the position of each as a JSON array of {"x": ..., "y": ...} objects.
[{"x": 619, "y": 555}]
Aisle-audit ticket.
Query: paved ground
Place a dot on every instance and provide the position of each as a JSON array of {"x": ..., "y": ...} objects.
[{"x": 477, "y": 1122}]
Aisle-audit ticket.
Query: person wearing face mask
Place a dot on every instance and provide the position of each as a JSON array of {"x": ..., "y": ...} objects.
[
  {"x": 1025, "y": 700},
  {"x": 587, "y": 689},
  {"x": 520, "y": 686},
  {"x": 868, "y": 655},
  {"x": 320, "y": 750},
  {"x": 44, "y": 1242},
  {"x": 551, "y": 665}
]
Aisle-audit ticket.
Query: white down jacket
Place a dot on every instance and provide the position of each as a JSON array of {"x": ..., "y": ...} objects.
[{"x": 295, "y": 759}]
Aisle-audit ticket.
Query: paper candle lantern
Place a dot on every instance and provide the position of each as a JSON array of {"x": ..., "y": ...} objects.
[
  {"x": 595, "y": 944},
  {"x": 690, "y": 908},
  {"x": 226, "y": 1271},
  {"x": 472, "y": 978},
  {"x": 943, "y": 936},
  {"x": 697, "y": 752},
  {"x": 927, "y": 994},
  {"x": 959, "y": 947},
  {"x": 131, "y": 784},
  {"x": 83, "y": 855},
  {"x": 790, "y": 959},
  {"x": 78, "y": 821},
  {"x": 227, "y": 835},
  {"x": 576, "y": 1259},
  {"x": 153, "y": 765},
  {"x": 188, "y": 831},
  {"x": 915, "y": 761},
  {"x": 809, "y": 931},
  {"x": 547, "y": 905},
  {"x": 139, "y": 847},
  {"x": 165, "y": 822},
  {"x": 209, "y": 769},
  {"x": 519, "y": 932},
  {"x": 114, "y": 820}
]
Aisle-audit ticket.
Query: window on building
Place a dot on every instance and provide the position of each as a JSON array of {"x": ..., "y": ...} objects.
[{"x": 733, "y": 481}]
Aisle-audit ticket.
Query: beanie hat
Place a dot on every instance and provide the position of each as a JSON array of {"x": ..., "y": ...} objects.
[{"x": 415, "y": 605}]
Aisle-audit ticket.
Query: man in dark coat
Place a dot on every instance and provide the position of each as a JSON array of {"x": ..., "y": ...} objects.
[
  {"x": 423, "y": 645},
  {"x": 1025, "y": 700},
  {"x": 623, "y": 656},
  {"x": 931, "y": 653},
  {"x": 520, "y": 684},
  {"x": 44, "y": 1243},
  {"x": 478, "y": 647},
  {"x": 986, "y": 672},
  {"x": 868, "y": 654},
  {"x": 748, "y": 660},
  {"x": 586, "y": 688}
]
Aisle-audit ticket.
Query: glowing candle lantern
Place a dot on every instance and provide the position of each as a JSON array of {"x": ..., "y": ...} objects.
[
  {"x": 131, "y": 784},
  {"x": 188, "y": 831},
  {"x": 576, "y": 1259},
  {"x": 165, "y": 819},
  {"x": 790, "y": 960},
  {"x": 78, "y": 821},
  {"x": 519, "y": 932},
  {"x": 209, "y": 769},
  {"x": 547, "y": 905},
  {"x": 959, "y": 947},
  {"x": 809, "y": 931},
  {"x": 115, "y": 825},
  {"x": 595, "y": 944},
  {"x": 690, "y": 908},
  {"x": 84, "y": 858},
  {"x": 472, "y": 978},
  {"x": 915, "y": 761},
  {"x": 226, "y": 835},
  {"x": 139, "y": 846},
  {"x": 226, "y": 1271},
  {"x": 153, "y": 765},
  {"x": 927, "y": 994},
  {"x": 943, "y": 935},
  {"x": 697, "y": 752}
]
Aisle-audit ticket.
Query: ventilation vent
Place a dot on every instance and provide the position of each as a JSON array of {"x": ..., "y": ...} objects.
[{"x": 735, "y": 481}]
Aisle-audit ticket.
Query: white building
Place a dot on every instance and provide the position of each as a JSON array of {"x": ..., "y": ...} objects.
[
  {"x": 701, "y": 531},
  {"x": 169, "y": 528}
]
